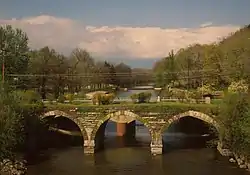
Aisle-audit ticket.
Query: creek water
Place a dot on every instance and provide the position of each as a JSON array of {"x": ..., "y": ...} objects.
[{"x": 184, "y": 154}]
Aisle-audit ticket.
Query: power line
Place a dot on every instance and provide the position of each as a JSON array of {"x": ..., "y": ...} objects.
[
  {"x": 120, "y": 76},
  {"x": 111, "y": 73}
]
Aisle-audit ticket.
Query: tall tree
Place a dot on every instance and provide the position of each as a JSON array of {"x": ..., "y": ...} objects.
[
  {"x": 166, "y": 70},
  {"x": 124, "y": 75},
  {"x": 47, "y": 65},
  {"x": 80, "y": 63},
  {"x": 13, "y": 50}
]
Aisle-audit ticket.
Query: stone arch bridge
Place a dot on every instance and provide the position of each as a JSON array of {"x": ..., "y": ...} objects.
[{"x": 91, "y": 124}]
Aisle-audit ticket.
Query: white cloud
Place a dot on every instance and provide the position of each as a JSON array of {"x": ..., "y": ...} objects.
[
  {"x": 206, "y": 24},
  {"x": 136, "y": 42}
]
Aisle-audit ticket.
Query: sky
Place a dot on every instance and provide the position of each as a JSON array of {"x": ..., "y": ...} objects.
[{"x": 131, "y": 29}]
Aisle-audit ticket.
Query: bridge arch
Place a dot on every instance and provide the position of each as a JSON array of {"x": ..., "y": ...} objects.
[
  {"x": 195, "y": 114},
  {"x": 57, "y": 113},
  {"x": 122, "y": 116}
]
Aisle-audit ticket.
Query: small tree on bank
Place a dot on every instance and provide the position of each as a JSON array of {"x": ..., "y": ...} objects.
[
  {"x": 235, "y": 122},
  {"x": 10, "y": 123}
]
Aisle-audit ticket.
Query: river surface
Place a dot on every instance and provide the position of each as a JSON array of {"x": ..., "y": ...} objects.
[
  {"x": 126, "y": 94},
  {"x": 184, "y": 155}
]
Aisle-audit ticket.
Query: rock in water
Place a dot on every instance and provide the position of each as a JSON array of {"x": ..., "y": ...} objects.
[{"x": 8, "y": 167}]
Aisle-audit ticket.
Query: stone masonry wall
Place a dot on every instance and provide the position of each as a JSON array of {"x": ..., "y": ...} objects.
[{"x": 89, "y": 124}]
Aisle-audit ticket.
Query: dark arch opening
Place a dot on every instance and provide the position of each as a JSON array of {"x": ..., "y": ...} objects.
[
  {"x": 137, "y": 135},
  {"x": 189, "y": 133},
  {"x": 62, "y": 133}
]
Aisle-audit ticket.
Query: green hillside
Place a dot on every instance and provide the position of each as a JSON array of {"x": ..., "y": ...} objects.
[{"x": 219, "y": 63}]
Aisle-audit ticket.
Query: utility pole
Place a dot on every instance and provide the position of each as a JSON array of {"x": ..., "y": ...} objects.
[
  {"x": 202, "y": 64},
  {"x": 3, "y": 67},
  {"x": 188, "y": 66}
]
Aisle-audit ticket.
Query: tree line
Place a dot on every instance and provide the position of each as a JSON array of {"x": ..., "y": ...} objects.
[
  {"x": 216, "y": 64},
  {"x": 50, "y": 72}
]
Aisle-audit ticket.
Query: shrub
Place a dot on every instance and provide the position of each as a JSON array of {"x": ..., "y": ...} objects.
[
  {"x": 205, "y": 89},
  {"x": 239, "y": 86},
  {"x": 61, "y": 98},
  {"x": 29, "y": 96},
  {"x": 69, "y": 97},
  {"x": 103, "y": 99},
  {"x": 11, "y": 125},
  {"x": 143, "y": 97},
  {"x": 50, "y": 98},
  {"x": 194, "y": 95},
  {"x": 134, "y": 98},
  {"x": 179, "y": 94},
  {"x": 235, "y": 119}
]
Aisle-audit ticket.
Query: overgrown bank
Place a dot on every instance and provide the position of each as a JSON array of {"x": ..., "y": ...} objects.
[
  {"x": 235, "y": 131},
  {"x": 19, "y": 125}
]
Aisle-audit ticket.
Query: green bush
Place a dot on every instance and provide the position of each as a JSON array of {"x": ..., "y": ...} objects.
[
  {"x": 205, "y": 89},
  {"x": 142, "y": 97},
  {"x": 29, "y": 96},
  {"x": 50, "y": 98},
  {"x": 134, "y": 98},
  {"x": 194, "y": 95},
  {"x": 61, "y": 98},
  {"x": 239, "y": 86},
  {"x": 235, "y": 119},
  {"x": 11, "y": 123},
  {"x": 103, "y": 99},
  {"x": 69, "y": 97},
  {"x": 180, "y": 94}
]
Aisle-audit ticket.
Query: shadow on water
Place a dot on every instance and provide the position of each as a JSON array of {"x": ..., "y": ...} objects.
[
  {"x": 185, "y": 153},
  {"x": 187, "y": 133},
  {"x": 39, "y": 148},
  {"x": 139, "y": 137}
]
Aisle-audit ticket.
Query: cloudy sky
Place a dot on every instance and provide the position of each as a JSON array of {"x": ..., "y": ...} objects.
[{"x": 135, "y": 29}]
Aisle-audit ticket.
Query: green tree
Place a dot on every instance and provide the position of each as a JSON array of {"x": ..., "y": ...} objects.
[
  {"x": 235, "y": 120},
  {"x": 124, "y": 75},
  {"x": 190, "y": 63},
  {"x": 49, "y": 69},
  {"x": 11, "y": 123},
  {"x": 166, "y": 71},
  {"x": 80, "y": 63},
  {"x": 13, "y": 50},
  {"x": 216, "y": 61},
  {"x": 142, "y": 76},
  {"x": 39, "y": 65}
]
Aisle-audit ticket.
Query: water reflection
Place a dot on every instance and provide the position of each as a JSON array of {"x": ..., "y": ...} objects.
[{"x": 132, "y": 160}]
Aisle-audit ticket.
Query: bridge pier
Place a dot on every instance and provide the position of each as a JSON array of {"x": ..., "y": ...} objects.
[
  {"x": 121, "y": 129},
  {"x": 126, "y": 129},
  {"x": 156, "y": 149},
  {"x": 89, "y": 147},
  {"x": 156, "y": 144}
]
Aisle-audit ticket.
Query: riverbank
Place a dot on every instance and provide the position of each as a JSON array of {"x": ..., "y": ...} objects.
[
  {"x": 241, "y": 161},
  {"x": 234, "y": 158},
  {"x": 16, "y": 167}
]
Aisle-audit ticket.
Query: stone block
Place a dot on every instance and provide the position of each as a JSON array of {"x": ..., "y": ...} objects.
[{"x": 156, "y": 149}]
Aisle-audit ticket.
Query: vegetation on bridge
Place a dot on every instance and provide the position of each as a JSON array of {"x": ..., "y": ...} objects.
[{"x": 164, "y": 108}]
